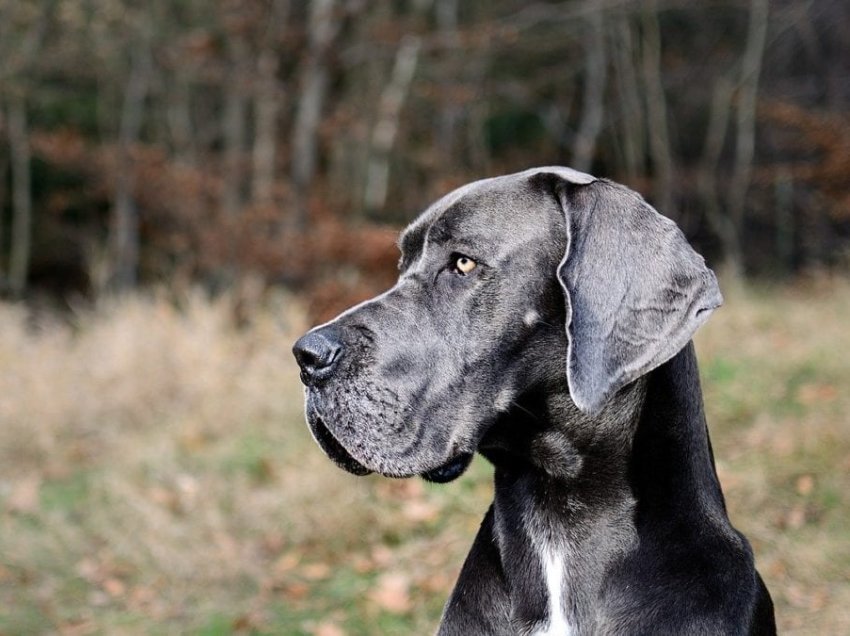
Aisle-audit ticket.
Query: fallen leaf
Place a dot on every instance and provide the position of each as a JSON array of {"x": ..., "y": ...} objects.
[
  {"x": 819, "y": 599},
  {"x": 400, "y": 489},
  {"x": 141, "y": 597},
  {"x": 24, "y": 497},
  {"x": 286, "y": 562},
  {"x": 810, "y": 394},
  {"x": 805, "y": 485},
  {"x": 382, "y": 556},
  {"x": 272, "y": 542},
  {"x": 437, "y": 583},
  {"x": 362, "y": 564},
  {"x": 777, "y": 569},
  {"x": 296, "y": 591},
  {"x": 193, "y": 440},
  {"x": 420, "y": 511},
  {"x": 80, "y": 627},
  {"x": 783, "y": 443},
  {"x": 164, "y": 497},
  {"x": 114, "y": 587},
  {"x": 796, "y": 517},
  {"x": 187, "y": 484},
  {"x": 245, "y": 623},
  {"x": 328, "y": 629},
  {"x": 807, "y": 598},
  {"x": 88, "y": 569},
  {"x": 392, "y": 593},
  {"x": 316, "y": 571}
]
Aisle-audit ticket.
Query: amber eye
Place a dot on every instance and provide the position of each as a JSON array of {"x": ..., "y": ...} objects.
[{"x": 464, "y": 265}]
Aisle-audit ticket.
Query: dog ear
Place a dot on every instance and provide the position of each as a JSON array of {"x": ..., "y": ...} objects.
[{"x": 635, "y": 289}]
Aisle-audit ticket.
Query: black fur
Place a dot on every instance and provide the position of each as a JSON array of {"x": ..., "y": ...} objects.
[{"x": 564, "y": 357}]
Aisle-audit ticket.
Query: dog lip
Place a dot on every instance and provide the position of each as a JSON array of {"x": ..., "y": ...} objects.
[
  {"x": 449, "y": 471},
  {"x": 335, "y": 450}
]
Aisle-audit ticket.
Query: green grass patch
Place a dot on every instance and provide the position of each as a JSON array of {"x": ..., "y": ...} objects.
[{"x": 66, "y": 495}]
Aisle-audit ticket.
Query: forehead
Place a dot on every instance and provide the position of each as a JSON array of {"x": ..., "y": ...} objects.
[{"x": 488, "y": 214}]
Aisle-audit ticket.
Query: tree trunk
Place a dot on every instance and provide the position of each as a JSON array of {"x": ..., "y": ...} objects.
[
  {"x": 746, "y": 118},
  {"x": 322, "y": 30},
  {"x": 784, "y": 237},
  {"x": 719, "y": 219},
  {"x": 4, "y": 169},
  {"x": 386, "y": 128},
  {"x": 267, "y": 97},
  {"x": 179, "y": 119},
  {"x": 235, "y": 128},
  {"x": 124, "y": 230},
  {"x": 266, "y": 106},
  {"x": 631, "y": 118},
  {"x": 656, "y": 110},
  {"x": 265, "y": 129},
  {"x": 595, "y": 79},
  {"x": 21, "y": 237},
  {"x": 450, "y": 111}
]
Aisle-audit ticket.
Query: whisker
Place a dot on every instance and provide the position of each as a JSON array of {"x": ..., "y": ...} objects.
[
  {"x": 549, "y": 324},
  {"x": 523, "y": 409}
]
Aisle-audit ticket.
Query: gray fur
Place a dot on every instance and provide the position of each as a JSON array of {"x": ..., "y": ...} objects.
[{"x": 606, "y": 492}]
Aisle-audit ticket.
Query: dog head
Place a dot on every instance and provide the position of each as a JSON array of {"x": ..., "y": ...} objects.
[{"x": 505, "y": 286}]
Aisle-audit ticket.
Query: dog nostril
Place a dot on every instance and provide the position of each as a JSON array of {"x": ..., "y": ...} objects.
[{"x": 317, "y": 353}]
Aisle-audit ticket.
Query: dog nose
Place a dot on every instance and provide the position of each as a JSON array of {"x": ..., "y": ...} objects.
[{"x": 317, "y": 353}]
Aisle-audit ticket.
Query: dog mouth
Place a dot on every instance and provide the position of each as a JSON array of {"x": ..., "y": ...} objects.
[{"x": 449, "y": 471}]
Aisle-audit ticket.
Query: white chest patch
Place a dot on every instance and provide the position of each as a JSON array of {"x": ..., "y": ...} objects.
[{"x": 553, "y": 572}]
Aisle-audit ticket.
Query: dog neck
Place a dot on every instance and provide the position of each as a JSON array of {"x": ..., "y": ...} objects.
[{"x": 573, "y": 492}]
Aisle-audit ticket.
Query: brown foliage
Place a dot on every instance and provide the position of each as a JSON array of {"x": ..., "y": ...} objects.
[
  {"x": 343, "y": 264},
  {"x": 818, "y": 143},
  {"x": 187, "y": 237}
]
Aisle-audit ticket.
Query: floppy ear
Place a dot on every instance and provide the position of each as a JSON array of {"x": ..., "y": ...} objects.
[{"x": 635, "y": 289}]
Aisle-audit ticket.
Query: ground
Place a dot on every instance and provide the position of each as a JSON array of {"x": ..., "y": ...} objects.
[{"x": 157, "y": 477}]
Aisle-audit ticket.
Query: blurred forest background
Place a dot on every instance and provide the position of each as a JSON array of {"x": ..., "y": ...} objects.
[
  {"x": 188, "y": 141},
  {"x": 186, "y": 185}
]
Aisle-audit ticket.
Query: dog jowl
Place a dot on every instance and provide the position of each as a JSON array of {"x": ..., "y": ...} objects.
[{"x": 543, "y": 319}]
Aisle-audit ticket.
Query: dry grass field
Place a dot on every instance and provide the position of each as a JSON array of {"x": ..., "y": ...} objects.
[{"x": 156, "y": 475}]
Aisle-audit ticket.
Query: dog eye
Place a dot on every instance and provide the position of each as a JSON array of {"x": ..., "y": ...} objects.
[{"x": 464, "y": 265}]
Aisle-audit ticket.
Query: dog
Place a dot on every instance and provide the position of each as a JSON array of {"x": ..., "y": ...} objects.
[{"x": 544, "y": 319}]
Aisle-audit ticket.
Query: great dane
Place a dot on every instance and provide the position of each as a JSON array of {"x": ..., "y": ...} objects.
[{"x": 544, "y": 319}]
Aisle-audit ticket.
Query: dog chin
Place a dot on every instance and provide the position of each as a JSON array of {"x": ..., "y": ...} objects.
[
  {"x": 334, "y": 449},
  {"x": 449, "y": 471}
]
